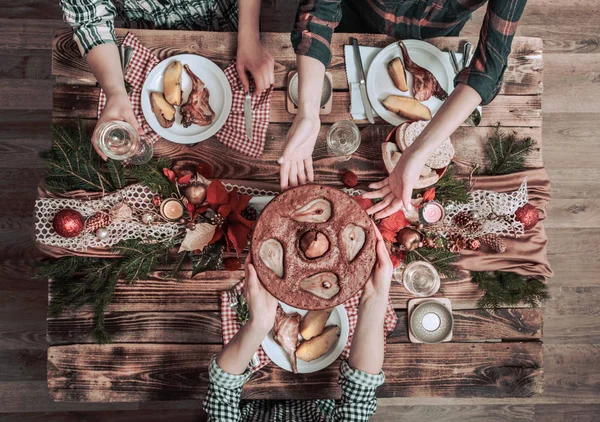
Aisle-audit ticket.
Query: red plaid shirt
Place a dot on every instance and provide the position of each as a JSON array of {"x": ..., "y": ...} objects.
[{"x": 417, "y": 19}]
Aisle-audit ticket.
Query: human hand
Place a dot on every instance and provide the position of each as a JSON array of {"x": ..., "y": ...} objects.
[
  {"x": 378, "y": 286},
  {"x": 262, "y": 305},
  {"x": 396, "y": 189},
  {"x": 254, "y": 58},
  {"x": 118, "y": 107},
  {"x": 296, "y": 159}
]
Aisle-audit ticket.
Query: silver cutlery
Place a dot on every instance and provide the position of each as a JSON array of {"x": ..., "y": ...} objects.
[
  {"x": 248, "y": 114},
  {"x": 467, "y": 54},
  {"x": 362, "y": 85},
  {"x": 127, "y": 56}
]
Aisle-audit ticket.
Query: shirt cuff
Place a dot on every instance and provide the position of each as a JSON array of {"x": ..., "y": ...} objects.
[
  {"x": 486, "y": 86},
  {"x": 88, "y": 37},
  {"x": 364, "y": 379},
  {"x": 305, "y": 45},
  {"x": 224, "y": 379}
]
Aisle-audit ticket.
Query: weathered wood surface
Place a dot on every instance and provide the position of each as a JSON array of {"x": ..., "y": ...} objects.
[
  {"x": 470, "y": 325},
  {"x": 143, "y": 372}
]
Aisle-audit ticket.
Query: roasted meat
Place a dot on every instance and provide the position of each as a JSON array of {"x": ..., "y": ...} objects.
[
  {"x": 196, "y": 110},
  {"x": 285, "y": 333},
  {"x": 424, "y": 83}
]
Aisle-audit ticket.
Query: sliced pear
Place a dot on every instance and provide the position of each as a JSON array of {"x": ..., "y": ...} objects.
[
  {"x": 172, "y": 83},
  {"x": 406, "y": 107},
  {"x": 397, "y": 73},
  {"x": 271, "y": 253},
  {"x": 353, "y": 239},
  {"x": 320, "y": 345},
  {"x": 316, "y": 211},
  {"x": 164, "y": 112},
  {"x": 323, "y": 285},
  {"x": 313, "y": 323}
]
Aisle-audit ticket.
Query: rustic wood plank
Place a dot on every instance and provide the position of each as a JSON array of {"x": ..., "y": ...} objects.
[
  {"x": 25, "y": 64},
  {"x": 137, "y": 372},
  {"x": 32, "y": 34},
  {"x": 455, "y": 413},
  {"x": 31, "y": 94},
  {"x": 82, "y": 414},
  {"x": 81, "y": 101},
  {"x": 205, "y": 327},
  {"x": 523, "y": 75},
  {"x": 567, "y": 412}
]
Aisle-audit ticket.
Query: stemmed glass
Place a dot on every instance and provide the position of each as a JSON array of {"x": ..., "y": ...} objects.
[{"x": 120, "y": 141}]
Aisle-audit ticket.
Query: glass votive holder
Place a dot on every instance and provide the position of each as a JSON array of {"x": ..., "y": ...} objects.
[{"x": 421, "y": 279}]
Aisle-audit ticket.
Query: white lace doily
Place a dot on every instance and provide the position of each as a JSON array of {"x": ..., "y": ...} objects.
[
  {"x": 496, "y": 210},
  {"x": 137, "y": 196},
  {"x": 247, "y": 190}
]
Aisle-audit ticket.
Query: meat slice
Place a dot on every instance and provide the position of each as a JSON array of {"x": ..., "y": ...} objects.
[
  {"x": 197, "y": 110},
  {"x": 285, "y": 333},
  {"x": 424, "y": 83}
]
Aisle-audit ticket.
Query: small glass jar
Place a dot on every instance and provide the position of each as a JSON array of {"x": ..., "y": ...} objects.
[
  {"x": 421, "y": 279},
  {"x": 343, "y": 139}
]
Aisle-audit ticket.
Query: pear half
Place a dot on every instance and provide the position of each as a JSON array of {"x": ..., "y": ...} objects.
[
  {"x": 172, "y": 83},
  {"x": 164, "y": 112}
]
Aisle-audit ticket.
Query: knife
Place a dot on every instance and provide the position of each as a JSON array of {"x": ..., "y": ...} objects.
[
  {"x": 248, "y": 115},
  {"x": 362, "y": 85}
]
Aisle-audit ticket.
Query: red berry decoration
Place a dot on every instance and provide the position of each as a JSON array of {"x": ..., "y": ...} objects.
[
  {"x": 232, "y": 264},
  {"x": 68, "y": 223},
  {"x": 528, "y": 215},
  {"x": 350, "y": 179},
  {"x": 156, "y": 200}
]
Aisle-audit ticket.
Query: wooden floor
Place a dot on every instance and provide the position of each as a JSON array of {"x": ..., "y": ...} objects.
[{"x": 571, "y": 136}]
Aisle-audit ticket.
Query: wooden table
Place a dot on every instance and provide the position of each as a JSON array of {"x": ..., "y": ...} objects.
[{"x": 165, "y": 332}]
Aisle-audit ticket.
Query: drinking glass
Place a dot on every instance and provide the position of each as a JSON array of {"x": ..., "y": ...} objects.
[
  {"x": 343, "y": 139},
  {"x": 421, "y": 279},
  {"x": 120, "y": 141}
]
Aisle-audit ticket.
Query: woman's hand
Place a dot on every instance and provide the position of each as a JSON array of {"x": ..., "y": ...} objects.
[
  {"x": 118, "y": 107},
  {"x": 254, "y": 58},
  {"x": 262, "y": 305},
  {"x": 296, "y": 160},
  {"x": 378, "y": 286},
  {"x": 396, "y": 190}
]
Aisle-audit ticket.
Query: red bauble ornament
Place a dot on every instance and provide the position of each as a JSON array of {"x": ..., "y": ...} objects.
[
  {"x": 350, "y": 179},
  {"x": 528, "y": 215},
  {"x": 68, "y": 223}
]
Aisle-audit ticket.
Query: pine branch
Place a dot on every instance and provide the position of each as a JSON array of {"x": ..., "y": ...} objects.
[
  {"x": 506, "y": 153},
  {"x": 441, "y": 259},
  {"x": 116, "y": 174},
  {"x": 508, "y": 289},
  {"x": 451, "y": 189},
  {"x": 151, "y": 175}
]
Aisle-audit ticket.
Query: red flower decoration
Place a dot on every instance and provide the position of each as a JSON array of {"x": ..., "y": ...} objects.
[
  {"x": 429, "y": 195},
  {"x": 397, "y": 257},
  {"x": 229, "y": 207},
  {"x": 363, "y": 202},
  {"x": 389, "y": 226},
  {"x": 177, "y": 177}
]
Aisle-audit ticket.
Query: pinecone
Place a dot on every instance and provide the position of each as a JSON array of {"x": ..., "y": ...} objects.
[
  {"x": 465, "y": 221},
  {"x": 456, "y": 242},
  {"x": 250, "y": 213},
  {"x": 493, "y": 241},
  {"x": 96, "y": 221}
]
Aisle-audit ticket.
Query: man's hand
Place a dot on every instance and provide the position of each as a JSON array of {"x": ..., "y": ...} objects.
[
  {"x": 118, "y": 107},
  {"x": 254, "y": 58},
  {"x": 262, "y": 305},
  {"x": 396, "y": 190},
  {"x": 296, "y": 160}
]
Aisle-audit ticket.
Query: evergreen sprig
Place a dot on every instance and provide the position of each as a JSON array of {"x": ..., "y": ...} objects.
[
  {"x": 151, "y": 175},
  {"x": 442, "y": 260},
  {"x": 507, "y": 153},
  {"x": 451, "y": 189},
  {"x": 508, "y": 289}
]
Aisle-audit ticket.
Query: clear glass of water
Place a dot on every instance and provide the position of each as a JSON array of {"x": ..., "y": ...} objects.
[
  {"x": 120, "y": 141},
  {"x": 343, "y": 139},
  {"x": 421, "y": 279}
]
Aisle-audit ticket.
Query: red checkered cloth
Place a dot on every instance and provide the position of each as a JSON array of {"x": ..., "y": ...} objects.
[
  {"x": 142, "y": 62},
  {"x": 231, "y": 325},
  {"x": 233, "y": 132}
]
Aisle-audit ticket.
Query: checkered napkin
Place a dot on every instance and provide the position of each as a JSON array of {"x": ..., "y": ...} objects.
[
  {"x": 230, "y": 324},
  {"x": 233, "y": 132},
  {"x": 142, "y": 62}
]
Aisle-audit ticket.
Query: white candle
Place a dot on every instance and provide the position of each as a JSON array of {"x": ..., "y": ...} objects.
[
  {"x": 172, "y": 209},
  {"x": 433, "y": 212}
]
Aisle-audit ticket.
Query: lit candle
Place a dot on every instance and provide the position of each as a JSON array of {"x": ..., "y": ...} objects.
[
  {"x": 432, "y": 212},
  {"x": 171, "y": 209}
]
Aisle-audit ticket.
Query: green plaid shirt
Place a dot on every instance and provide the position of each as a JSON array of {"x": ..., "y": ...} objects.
[
  {"x": 418, "y": 19},
  {"x": 93, "y": 21},
  {"x": 358, "y": 401}
]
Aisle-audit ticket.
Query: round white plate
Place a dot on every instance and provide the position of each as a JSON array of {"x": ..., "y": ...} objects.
[
  {"x": 220, "y": 98},
  {"x": 380, "y": 84},
  {"x": 274, "y": 351}
]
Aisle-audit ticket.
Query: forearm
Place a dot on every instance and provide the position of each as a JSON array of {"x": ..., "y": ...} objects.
[
  {"x": 367, "y": 349},
  {"x": 311, "y": 74},
  {"x": 105, "y": 64},
  {"x": 236, "y": 355},
  {"x": 249, "y": 20},
  {"x": 455, "y": 110}
]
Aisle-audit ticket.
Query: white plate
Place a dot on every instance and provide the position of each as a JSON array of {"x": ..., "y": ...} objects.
[
  {"x": 380, "y": 84},
  {"x": 274, "y": 351},
  {"x": 220, "y": 98}
]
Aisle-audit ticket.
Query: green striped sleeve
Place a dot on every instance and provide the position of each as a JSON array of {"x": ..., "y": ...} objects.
[{"x": 92, "y": 22}]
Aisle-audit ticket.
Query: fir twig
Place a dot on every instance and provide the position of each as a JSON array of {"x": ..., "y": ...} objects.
[
  {"x": 151, "y": 174},
  {"x": 441, "y": 259},
  {"x": 508, "y": 289},
  {"x": 506, "y": 153},
  {"x": 451, "y": 189}
]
